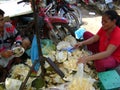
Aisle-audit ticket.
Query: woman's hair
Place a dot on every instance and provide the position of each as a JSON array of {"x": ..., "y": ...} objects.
[
  {"x": 113, "y": 15},
  {"x": 2, "y": 12}
]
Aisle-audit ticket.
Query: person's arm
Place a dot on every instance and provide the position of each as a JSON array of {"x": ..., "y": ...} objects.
[
  {"x": 91, "y": 40},
  {"x": 6, "y": 54},
  {"x": 110, "y": 49}
]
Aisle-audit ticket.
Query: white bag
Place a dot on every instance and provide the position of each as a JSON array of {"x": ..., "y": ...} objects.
[
  {"x": 12, "y": 84},
  {"x": 81, "y": 81}
]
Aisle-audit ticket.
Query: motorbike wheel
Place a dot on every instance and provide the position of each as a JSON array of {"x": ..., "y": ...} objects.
[
  {"x": 59, "y": 32},
  {"x": 78, "y": 13},
  {"x": 72, "y": 18}
]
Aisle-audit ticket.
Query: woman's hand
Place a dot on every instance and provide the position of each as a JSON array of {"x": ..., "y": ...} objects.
[
  {"x": 78, "y": 45},
  {"x": 7, "y": 53},
  {"x": 26, "y": 43},
  {"x": 82, "y": 60}
]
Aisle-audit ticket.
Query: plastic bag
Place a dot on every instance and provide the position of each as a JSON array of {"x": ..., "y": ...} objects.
[
  {"x": 80, "y": 71},
  {"x": 34, "y": 53},
  {"x": 47, "y": 46},
  {"x": 12, "y": 84},
  {"x": 81, "y": 81}
]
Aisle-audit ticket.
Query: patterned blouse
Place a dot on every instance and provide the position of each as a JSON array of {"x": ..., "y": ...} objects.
[{"x": 7, "y": 38}]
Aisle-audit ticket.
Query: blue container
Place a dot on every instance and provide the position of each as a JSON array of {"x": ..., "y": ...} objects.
[
  {"x": 110, "y": 80},
  {"x": 79, "y": 33}
]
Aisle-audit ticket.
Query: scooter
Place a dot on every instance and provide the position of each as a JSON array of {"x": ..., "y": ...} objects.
[
  {"x": 67, "y": 10},
  {"x": 102, "y": 5}
]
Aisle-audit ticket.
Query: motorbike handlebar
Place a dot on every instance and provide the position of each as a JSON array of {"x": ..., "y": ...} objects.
[{"x": 22, "y": 1}]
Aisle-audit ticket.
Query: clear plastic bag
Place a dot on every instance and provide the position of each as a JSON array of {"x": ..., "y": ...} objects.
[{"x": 81, "y": 81}]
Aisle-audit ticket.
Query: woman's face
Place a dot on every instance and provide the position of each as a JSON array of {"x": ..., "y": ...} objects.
[{"x": 107, "y": 24}]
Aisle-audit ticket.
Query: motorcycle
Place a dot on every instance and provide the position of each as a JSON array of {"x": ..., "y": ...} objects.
[
  {"x": 109, "y": 3},
  {"x": 102, "y": 5},
  {"x": 67, "y": 10},
  {"x": 53, "y": 27}
]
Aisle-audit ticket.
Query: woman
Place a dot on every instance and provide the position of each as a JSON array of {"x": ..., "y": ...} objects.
[
  {"x": 9, "y": 36},
  {"x": 105, "y": 45}
]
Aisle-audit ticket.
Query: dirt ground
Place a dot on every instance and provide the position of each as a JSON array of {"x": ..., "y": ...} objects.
[{"x": 91, "y": 22}]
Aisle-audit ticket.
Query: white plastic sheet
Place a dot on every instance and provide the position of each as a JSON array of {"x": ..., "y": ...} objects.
[{"x": 11, "y": 8}]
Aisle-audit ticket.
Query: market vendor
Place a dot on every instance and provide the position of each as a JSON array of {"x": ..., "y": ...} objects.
[
  {"x": 9, "y": 36},
  {"x": 105, "y": 45}
]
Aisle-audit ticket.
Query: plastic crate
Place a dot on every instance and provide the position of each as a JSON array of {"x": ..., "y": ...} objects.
[
  {"x": 118, "y": 69},
  {"x": 110, "y": 80}
]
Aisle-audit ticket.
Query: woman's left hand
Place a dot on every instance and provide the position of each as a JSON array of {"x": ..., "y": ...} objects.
[{"x": 82, "y": 60}]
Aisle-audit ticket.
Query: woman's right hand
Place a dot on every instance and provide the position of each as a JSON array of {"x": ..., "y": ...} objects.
[
  {"x": 79, "y": 44},
  {"x": 6, "y": 54}
]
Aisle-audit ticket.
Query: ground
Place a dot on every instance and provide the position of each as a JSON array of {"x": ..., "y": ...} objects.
[{"x": 91, "y": 22}]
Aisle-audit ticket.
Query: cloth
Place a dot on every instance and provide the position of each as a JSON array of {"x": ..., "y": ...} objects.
[
  {"x": 3, "y": 74},
  {"x": 10, "y": 35},
  {"x": 94, "y": 48},
  {"x": 105, "y": 64},
  {"x": 5, "y": 61},
  {"x": 113, "y": 38}
]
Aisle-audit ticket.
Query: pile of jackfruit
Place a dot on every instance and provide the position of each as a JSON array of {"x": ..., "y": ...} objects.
[{"x": 65, "y": 57}]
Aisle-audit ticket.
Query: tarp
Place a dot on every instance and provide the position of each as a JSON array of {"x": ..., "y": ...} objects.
[{"x": 11, "y": 8}]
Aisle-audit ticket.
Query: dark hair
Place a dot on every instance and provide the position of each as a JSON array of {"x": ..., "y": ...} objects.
[
  {"x": 113, "y": 15},
  {"x": 2, "y": 12}
]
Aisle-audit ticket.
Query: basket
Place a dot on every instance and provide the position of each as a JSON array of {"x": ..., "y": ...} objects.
[{"x": 110, "y": 80}]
